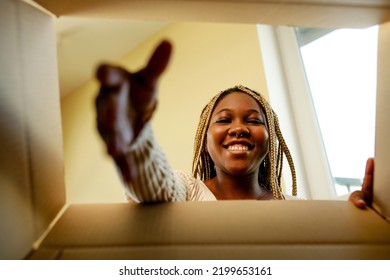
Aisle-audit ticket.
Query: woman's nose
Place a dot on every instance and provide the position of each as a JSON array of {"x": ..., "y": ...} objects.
[{"x": 238, "y": 130}]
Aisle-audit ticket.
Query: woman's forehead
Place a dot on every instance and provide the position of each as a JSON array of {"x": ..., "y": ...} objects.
[{"x": 237, "y": 100}]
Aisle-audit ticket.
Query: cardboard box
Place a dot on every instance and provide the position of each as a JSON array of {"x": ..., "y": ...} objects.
[
  {"x": 31, "y": 179},
  {"x": 218, "y": 230}
]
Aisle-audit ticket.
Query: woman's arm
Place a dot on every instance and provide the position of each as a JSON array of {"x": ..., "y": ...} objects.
[
  {"x": 152, "y": 180},
  {"x": 125, "y": 104}
]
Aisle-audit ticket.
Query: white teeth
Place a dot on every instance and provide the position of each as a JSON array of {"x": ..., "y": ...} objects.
[{"x": 238, "y": 148}]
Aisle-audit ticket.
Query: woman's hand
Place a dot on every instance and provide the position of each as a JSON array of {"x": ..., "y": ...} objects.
[
  {"x": 363, "y": 198},
  {"x": 126, "y": 101}
]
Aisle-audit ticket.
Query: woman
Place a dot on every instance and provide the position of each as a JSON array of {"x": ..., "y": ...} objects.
[{"x": 238, "y": 147}]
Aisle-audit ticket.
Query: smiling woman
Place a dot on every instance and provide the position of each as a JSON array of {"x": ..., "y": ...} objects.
[
  {"x": 238, "y": 150},
  {"x": 239, "y": 147}
]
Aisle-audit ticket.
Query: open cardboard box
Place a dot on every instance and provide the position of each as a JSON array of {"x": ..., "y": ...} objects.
[{"x": 32, "y": 189}]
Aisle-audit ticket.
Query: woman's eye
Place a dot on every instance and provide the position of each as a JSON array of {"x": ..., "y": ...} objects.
[
  {"x": 255, "y": 121},
  {"x": 223, "y": 121}
]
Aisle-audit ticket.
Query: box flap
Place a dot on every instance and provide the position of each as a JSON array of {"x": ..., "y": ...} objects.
[
  {"x": 309, "y": 13},
  {"x": 382, "y": 151},
  {"x": 32, "y": 189},
  {"x": 17, "y": 234},
  {"x": 41, "y": 98},
  {"x": 223, "y": 229}
]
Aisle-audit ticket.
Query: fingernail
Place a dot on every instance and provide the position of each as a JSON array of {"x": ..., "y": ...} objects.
[{"x": 361, "y": 203}]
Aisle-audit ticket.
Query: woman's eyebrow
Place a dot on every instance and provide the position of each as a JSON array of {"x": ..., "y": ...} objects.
[
  {"x": 230, "y": 110},
  {"x": 255, "y": 111},
  {"x": 223, "y": 110}
]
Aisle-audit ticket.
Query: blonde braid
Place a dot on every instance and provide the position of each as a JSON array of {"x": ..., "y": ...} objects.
[
  {"x": 287, "y": 153},
  {"x": 271, "y": 167}
]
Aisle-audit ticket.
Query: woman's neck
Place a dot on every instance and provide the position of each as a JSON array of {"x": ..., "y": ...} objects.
[{"x": 228, "y": 187}]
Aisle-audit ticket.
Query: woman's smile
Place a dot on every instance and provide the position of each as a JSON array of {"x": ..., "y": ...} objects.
[{"x": 238, "y": 148}]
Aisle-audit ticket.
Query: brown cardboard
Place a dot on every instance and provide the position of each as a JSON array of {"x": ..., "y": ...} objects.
[
  {"x": 31, "y": 178},
  {"x": 14, "y": 174},
  {"x": 311, "y": 13},
  {"x": 32, "y": 187},
  {"x": 224, "y": 252},
  {"x": 42, "y": 115},
  {"x": 382, "y": 153},
  {"x": 220, "y": 230}
]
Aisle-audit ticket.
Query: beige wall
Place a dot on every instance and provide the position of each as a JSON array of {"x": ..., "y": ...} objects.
[{"x": 207, "y": 58}]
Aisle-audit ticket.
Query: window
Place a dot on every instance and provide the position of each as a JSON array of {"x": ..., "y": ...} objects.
[
  {"x": 340, "y": 67},
  {"x": 326, "y": 109}
]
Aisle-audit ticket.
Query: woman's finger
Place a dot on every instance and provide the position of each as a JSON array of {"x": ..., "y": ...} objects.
[
  {"x": 157, "y": 62},
  {"x": 357, "y": 198},
  {"x": 363, "y": 198},
  {"x": 368, "y": 181}
]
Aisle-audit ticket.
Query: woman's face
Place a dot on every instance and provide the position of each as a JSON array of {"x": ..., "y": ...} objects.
[{"x": 237, "y": 137}]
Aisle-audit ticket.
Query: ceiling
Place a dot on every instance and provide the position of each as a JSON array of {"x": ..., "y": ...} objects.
[{"x": 83, "y": 43}]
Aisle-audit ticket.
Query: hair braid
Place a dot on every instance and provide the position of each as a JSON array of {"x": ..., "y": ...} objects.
[{"x": 270, "y": 170}]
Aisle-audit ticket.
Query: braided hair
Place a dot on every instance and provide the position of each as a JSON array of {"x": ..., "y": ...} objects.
[{"x": 270, "y": 171}]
